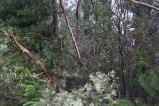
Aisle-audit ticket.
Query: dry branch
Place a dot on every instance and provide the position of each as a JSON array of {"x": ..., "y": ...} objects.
[
  {"x": 71, "y": 32},
  {"x": 145, "y": 4},
  {"x": 29, "y": 54}
]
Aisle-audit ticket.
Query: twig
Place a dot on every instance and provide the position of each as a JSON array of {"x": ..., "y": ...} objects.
[
  {"x": 71, "y": 32},
  {"x": 50, "y": 40},
  {"x": 145, "y": 4},
  {"x": 36, "y": 34}
]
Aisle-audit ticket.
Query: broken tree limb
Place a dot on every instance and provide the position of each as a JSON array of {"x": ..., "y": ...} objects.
[
  {"x": 71, "y": 32},
  {"x": 29, "y": 54},
  {"x": 145, "y": 4}
]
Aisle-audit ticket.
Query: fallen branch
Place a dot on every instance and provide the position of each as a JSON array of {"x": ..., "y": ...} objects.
[
  {"x": 29, "y": 54},
  {"x": 145, "y": 4},
  {"x": 71, "y": 32}
]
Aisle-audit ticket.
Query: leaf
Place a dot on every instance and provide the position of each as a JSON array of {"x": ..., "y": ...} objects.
[{"x": 30, "y": 90}]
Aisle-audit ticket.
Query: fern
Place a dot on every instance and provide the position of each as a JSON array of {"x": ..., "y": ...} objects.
[{"x": 30, "y": 90}]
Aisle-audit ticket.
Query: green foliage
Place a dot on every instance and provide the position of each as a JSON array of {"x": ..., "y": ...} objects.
[
  {"x": 150, "y": 82},
  {"x": 140, "y": 102},
  {"x": 23, "y": 13},
  {"x": 30, "y": 91},
  {"x": 122, "y": 102},
  {"x": 103, "y": 41},
  {"x": 98, "y": 92},
  {"x": 31, "y": 103},
  {"x": 28, "y": 86},
  {"x": 142, "y": 59}
]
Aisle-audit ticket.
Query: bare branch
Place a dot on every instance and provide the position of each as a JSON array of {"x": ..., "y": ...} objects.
[
  {"x": 29, "y": 54},
  {"x": 144, "y": 4},
  {"x": 71, "y": 32}
]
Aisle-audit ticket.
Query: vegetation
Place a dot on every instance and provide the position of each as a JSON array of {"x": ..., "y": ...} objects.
[{"x": 79, "y": 53}]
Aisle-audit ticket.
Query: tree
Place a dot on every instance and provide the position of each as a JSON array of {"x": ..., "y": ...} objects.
[
  {"x": 115, "y": 42},
  {"x": 55, "y": 17}
]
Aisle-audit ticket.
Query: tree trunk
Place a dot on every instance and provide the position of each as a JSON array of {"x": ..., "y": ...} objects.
[{"x": 55, "y": 18}]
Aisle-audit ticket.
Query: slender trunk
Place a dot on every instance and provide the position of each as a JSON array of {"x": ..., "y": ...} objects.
[
  {"x": 72, "y": 34},
  {"x": 122, "y": 73},
  {"x": 55, "y": 18}
]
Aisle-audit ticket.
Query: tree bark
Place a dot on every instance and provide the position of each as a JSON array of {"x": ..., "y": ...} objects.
[
  {"x": 72, "y": 34},
  {"x": 29, "y": 54}
]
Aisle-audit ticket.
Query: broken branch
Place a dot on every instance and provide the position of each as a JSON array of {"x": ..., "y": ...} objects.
[
  {"x": 29, "y": 54},
  {"x": 71, "y": 32}
]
